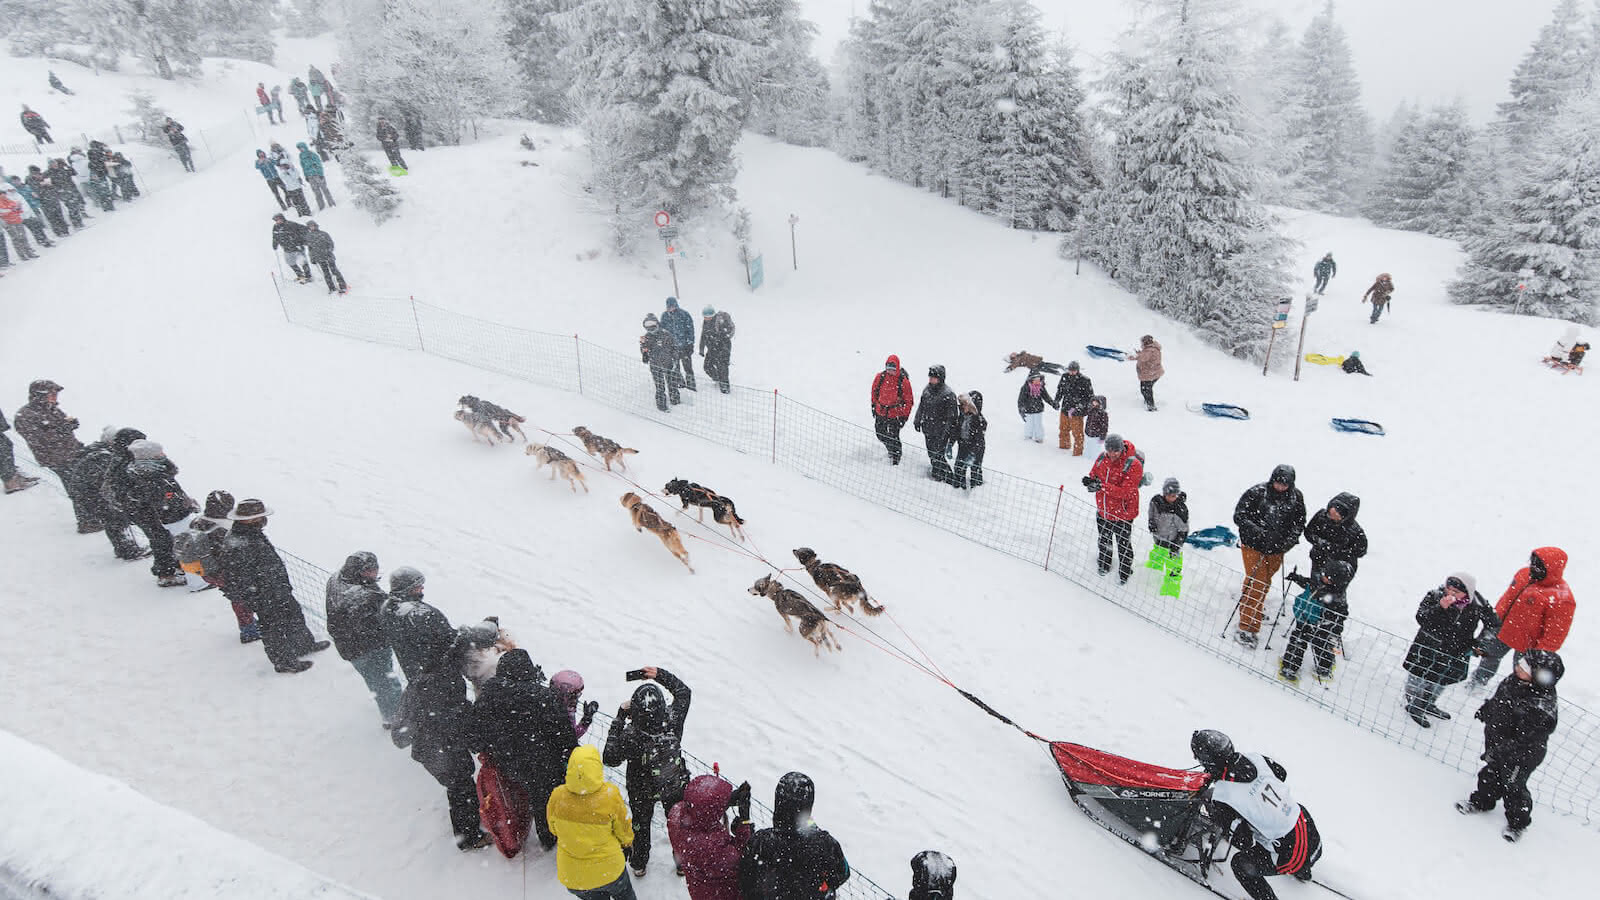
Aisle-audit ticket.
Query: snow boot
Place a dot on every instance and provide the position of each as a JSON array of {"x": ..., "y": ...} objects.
[
  {"x": 638, "y": 871},
  {"x": 1466, "y": 807},
  {"x": 1418, "y": 716},
  {"x": 1435, "y": 711},
  {"x": 1246, "y": 638},
  {"x": 318, "y": 647},
  {"x": 249, "y": 634},
  {"x": 177, "y": 580},
  {"x": 299, "y": 665},
  {"x": 1512, "y": 835},
  {"x": 1288, "y": 675},
  {"x": 474, "y": 841},
  {"x": 1158, "y": 558}
]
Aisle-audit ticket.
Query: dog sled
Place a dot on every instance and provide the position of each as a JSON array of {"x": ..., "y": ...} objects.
[
  {"x": 1108, "y": 353},
  {"x": 1357, "y": 426},
  {"x": 1222, "y": 411}
]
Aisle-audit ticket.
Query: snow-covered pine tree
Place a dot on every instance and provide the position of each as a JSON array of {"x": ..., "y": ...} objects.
[
  {"x": 1551, "y": 71},
  {"x": 1330, "y": 129},
  {"x": 790, "y": 98},
  {"x": 241, "y": 29},
  {"x": 536, "y": 39},
  {"x": 867, "y": 109},
  {"x": 1269, "y": 98},
  {"x": 163, "y": 33},
  {"x": 1394, "y": 146},
  {"x": 148, "y": 118},
  {"x": 33, "y": 27},
  {"x": 369, "y": 188},
  {"x": 307, "y": 18},
  {"x": 1428, "y": 184},
  {"x": 1542, "y": 256},
  {"x": 1178, "y": 221}
]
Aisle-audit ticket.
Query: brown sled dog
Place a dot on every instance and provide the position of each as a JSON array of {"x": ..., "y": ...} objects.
[
  {"x": 722, "y": 510},
  {"x": 481, "y": 426},
  {"x": 560, "y": 464},
  {"x": 813, "y": 624},
  {"x": 1022, "y": 359},
  {"x": 646, "y": 518},
  {"x": 840, "y": 584},
  {"x": 505, "y": 418},
  {"x": 608, "y": 450}
]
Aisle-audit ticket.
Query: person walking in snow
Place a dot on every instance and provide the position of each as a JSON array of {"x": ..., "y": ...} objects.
[
  {"x": 970, "y": 441},
  {"x": 1319, "y": 616},
  {"x": 1114, "y": 480},
  {"x": 794, "y": 858},
  {"x": 389, "y": 140},
  {"x": 1074, "y": 393},
  {"x": 180, "y": 143},
  {"x": 1325, "y": 269},
  {"x": 716, "y": 345},
  {"x": 12, "y": 480},
  {"x": 290, "y": 237},
  {"x": 1270, "y": 517},
  {"x": 1535, "y": 611},
  {"x": 592, "y": 829},
  {"x": 659, "y": 350},
  {"x": 1452, "y": 621},
  {"x": 35, "y": 125},
  {"x": 1147, "y": 364},
  {"x": 415, "y": 629},
  {"x": 199, "y": 551},
  {"x": 1517, "y": 723},
  {"x": 319, "y": 85},
  {"x": 892, "y": 399},
  {"x": 56, "y": 85},
  {"x": 297, "y": 90},
  {"x": 1251, "y": 805},
  {"x": 933, "y": 876},
  {"x": 1031, "y": 401},
  {"x": 521, "y": 723},
  {"x": 258, "y": 578},
  {"x": 680, "y": 325},
  {"x": 354, "y": 608},
  {"x": 647, "y": 736},
  {"x": 1378, "y": 296},
  {"x": 704, "y": 845},
  {"x": 156, "y": 503},
  {"x": 269, "y": 171},
  {"x": 293, "y": 188},
  {"x": 319, "y": 244},
  {"x": 938, "y": 418},
  {"x": 1334, "y": 533},
  {"x": 264, "y": 103},
  {"x": 311, "y": 168},
  {"x": 49, "y": 434},
  {"x": 568, "y": 686}
]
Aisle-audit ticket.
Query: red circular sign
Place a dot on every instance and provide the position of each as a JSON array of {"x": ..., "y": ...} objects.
[{"x": 662, "y": 219}]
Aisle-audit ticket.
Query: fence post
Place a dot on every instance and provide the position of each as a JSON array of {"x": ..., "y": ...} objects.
[
  {"x": 774, "y": 425},
  {"x": 275, "y": 287},
  {"x": 415, "y": 321},
  {"x": 577, "y": 354},
  {"x": 1051, "y": 545}
]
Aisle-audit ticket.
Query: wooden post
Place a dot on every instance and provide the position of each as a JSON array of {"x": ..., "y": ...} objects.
[
  {"x": 1268, "y": 361},
  {"x": 417, "y": 322},
  {"x": 1300, "y": 349},
  {"x": 673, "y": 265},
  {"x": 794, "y": 254},
  {"x": 1049, "y": 547}
]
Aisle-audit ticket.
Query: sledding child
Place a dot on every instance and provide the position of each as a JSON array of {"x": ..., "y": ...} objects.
[
  {"x": 970, "y": 440},
  {"x": 1517, "y": 723},
  {"x": 1169, "y": 527},
  {"x": 1097, "y": 424},
  {"x": 1031, "y": 401}
]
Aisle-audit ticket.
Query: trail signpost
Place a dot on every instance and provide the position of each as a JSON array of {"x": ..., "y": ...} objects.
[
  {"x": 1280, "y": 321},
  {"x": 1299, "y": 351}
]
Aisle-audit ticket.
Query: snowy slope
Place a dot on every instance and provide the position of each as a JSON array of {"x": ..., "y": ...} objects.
[{"x": 353, "y": 446}]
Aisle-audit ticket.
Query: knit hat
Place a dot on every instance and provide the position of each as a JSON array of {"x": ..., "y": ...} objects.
[
  {"x": 146, "y": 450},
  {"x": 1114, "y": 443},
  {"x": 1466, "y": 582},
  {"x": 404, "y": 580},
  {"x": 651, "y": 323},
  {"x": 218, "y": 505},
  {"x": 672, "y": 303},
  {"x": 1170, "y": 486},
  {"x": 709, "y": 311},
  {"x": 1073, "y": 366}
]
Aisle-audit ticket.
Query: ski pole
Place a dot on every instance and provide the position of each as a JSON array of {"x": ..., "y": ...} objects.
[
  {"x": 1231, "y": 614},
  {"x": 1282, "y": 601}
]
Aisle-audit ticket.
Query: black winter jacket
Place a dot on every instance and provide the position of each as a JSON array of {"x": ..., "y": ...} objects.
[
  {"x": 522, "y": 724},
  {"x": 154, "y": 494},
  {"x": 289, "y": 235},
  {"x": 440, "y": 715},
  {"x": 792, "y": 860},
  {"x": 1518, "y": 721},
  {"x": 937, "y": 415},
  {"x": 716, "y": 336},
  {"x": 650, "y": 748},
  {"x": 420, "y": 634},
  {"x": 49, "y": 433},
  {"x": 659, "y": 348},
  {"x": 1028, "y": 403},
  {"x": 354, "y": 606},
  {"x": 1344, "y": 540},
  {"x": 1445, "y": 639},
  {"x": 1270, "y": 521},
  {"x": 256, "y": 574},
  {"x": 319, "y": 246},
  {"x": 972, "y": 429},
  {"x": 1074, "y": 393}
]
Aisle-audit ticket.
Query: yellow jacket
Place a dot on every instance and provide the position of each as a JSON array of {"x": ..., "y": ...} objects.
[{"x": 591, "y": 824}]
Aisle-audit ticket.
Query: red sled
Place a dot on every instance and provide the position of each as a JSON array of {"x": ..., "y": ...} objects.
[{"x": 502, "y": 809}]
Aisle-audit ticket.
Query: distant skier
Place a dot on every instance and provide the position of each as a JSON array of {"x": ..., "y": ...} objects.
[
  {"x": 35, "y": 125},
  {"x": 1517, "y": 723},
  {"x": 1251, "y": 805},
  {"x": 55, "y": 84},
  {"x": 1325, "y": 269},
  {"x": 1352, "y": 364},
  {"x": 1378, "y": 296}
]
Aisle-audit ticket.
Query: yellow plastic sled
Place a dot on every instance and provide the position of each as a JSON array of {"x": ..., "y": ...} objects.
[{"x": 1321, "y": 360}]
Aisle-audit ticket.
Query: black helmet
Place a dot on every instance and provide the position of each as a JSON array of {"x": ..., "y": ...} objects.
[
  {"x": 1213, "y": 749},
  {"x": 649, "y": 708},
  {"x": 1283, "y": 473},
  {"x": 1546, "y": 666},
  {"x": 1338, "y": 573},
  {"x": 792, "y": 800}
]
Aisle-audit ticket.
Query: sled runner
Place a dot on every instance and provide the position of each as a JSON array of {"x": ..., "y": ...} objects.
[
  {"x": 1221, "y": 411},
  {"x": 1359, "y": 426},
  {"x": 1212, "y": 538},
  {"x": 1107, "y": 353}
]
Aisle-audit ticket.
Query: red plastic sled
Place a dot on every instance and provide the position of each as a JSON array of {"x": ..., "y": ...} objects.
[{"x": 502, "y": 809}]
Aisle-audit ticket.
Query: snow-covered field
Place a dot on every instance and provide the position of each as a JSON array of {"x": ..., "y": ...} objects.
[{"x": 162, "y": 318}]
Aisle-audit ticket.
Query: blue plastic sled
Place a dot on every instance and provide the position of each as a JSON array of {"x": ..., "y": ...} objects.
[
  {"x": 1213, "y": 537},
  {"x": 1359, "y": 426},
  {"x": 1106, "y": 352},
  {"x": 1223, "y": 411}
]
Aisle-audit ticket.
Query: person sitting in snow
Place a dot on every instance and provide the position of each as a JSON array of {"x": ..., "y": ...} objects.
[
  {"x": 1250, "y": 804},
  {"x": 1352, "y": 364}
]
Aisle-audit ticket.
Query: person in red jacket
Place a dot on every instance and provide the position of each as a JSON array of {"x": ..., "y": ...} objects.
[
  {"x": 1114, "y": 481},
  {"x": 703, "y": 845},
  {"x": 1535, "y": 613},
  {"x": 892, "y": 396}
]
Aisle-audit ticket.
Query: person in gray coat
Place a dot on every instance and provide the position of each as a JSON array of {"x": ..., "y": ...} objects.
[
  {"x": 319, "y": 244},
  {"x": 355, "y": 624}
]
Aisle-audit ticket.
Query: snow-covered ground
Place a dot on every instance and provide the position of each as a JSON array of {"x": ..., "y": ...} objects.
[{"x": 163, "y": 318}]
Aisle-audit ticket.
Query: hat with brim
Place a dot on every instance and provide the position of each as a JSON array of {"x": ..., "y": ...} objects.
[{"x": 250, "y": 509}]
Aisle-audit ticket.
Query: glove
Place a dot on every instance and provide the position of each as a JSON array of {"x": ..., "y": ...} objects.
[
  {"x": 741, "y": 799},
  {"x": 1093, "y": 484},
  {"x": 589, "y": 709},
  {"x": 622, "y": 711},
  {"x": 1299, "y": 579}
]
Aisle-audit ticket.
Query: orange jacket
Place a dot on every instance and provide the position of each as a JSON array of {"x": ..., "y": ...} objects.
[
  {"x": 1536, "y": 615},
  {"x": 10, "y": 210}
]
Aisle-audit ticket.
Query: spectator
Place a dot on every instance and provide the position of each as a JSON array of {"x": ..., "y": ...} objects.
[
  {"x": 319, "y": 85},
  {"x": 49, "y": 200},
  {"x": 180, "y": 143},
  {"x": 1074, "y": 394},
  {"x": 13, "y": 218},
  {"x": 568, "y": 686},
  {"x": 55, "y": 84},
  {"x": 1319, "y": 616},
  {"x": 35, "y": 125},
  {"x": 30, "y": 212},
  {"x": 156, "y": 503},
  {"x": 121, "y": 169},
  {"x": 1147, "y": 363},
  {"x": 330, "y": 131},
  {"x": 61, "y": 175},
  {"x": 411, "y": 124},
  {"x": 938, "y": 418},
  {"x": 277, "y": 102},
  {"x": 680, "y": 325},
  {"x": 892, "y": 397},
  {"x": 313, "y": 121},
  {"x": 521, "y": 724},
  {"x": 646, "y": 736},
  {"x": 1451, "y": 621},
  {"x": 49, "y": 433},
  {"x": 293, "y": 188},
  {"x": 1031, "y": 401},
  {"x": 1535, "y": 611},
  {"x": 658, "y": 350},
  {"x": 419, "y": 633},
  {"x": 354, "y": 608},
  {"x": 297, "y": 90},
  {"x": 1379, "y": 295},
  {"x": 311, "y": 167},
  {"x": 319, "y": 244},
  {"x": 259, "y": 580},
  {"x": 1097, "y": 424},
  {"x": 1517, "y": 723},
  {"x": 98, "y": 187},
  {"x": 716, "y": 344},
  {"x": 970, "y": 442},
  {"x": 704, "y": 846},
  {"x": 12, "y": 480},
  {"x": 1334, "y": 534},
  {"x": 439, "y": 724},
  {"x": 389, "y": 140},
  {"x": 269, "y": 171},
  {"x": 1168, "y": 521},
  {"x": 592, "y": 831},
  {"x": 1325, "y": 269},
  {"x": 933, "y": 876},
  {"x": 264, "y": 101},
  {"x": 794, "y": 858},
  {"x": 477, "y": 649},
  {"x": 1114, "y": 480},
  {"x": 200, "y": 553},
  {"x": 1270, "y": 518},
  {"x": 90, "y": 472},
  {"x": 290, "y": 237}
]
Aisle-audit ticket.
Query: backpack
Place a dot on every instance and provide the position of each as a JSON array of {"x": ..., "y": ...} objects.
[
  {"x": 175, "y": 504},
  {"x": 661, "y": 759}
]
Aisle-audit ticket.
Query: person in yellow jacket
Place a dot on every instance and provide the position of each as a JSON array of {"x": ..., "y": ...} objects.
[{"x": 592, "y": 829}]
